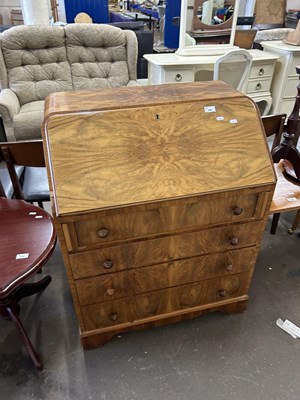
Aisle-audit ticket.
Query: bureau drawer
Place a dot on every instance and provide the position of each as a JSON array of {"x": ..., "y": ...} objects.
[
  {"x": 156, "y": 251},
  {"x": 148, "y": 279},
  {"x": 104, "y": 288},
  {"x": 103, "y": 261},
  {"x": 162, "y": 220},
  {"x": 161, "y": 276},
  {"x": 110, "y": 313},
  {"x": 258, "y": 86},
  {"x": 164, "y": 301},
  {"x": 188, "y": 296}
]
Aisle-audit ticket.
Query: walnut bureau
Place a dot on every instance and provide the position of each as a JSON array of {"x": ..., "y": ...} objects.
[{"x": 160, "y": 196}]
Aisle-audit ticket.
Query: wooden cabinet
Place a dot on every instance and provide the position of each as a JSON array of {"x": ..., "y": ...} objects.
[
  {"x": 286, "y": 80},
  {"x": 160, "y": 197}
]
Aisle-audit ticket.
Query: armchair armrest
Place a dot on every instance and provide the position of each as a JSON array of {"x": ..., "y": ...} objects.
[
  {"x": 133, "y": 83},
  {"x": 9, "y": 105},
  {"x": 9, "y": 108}
]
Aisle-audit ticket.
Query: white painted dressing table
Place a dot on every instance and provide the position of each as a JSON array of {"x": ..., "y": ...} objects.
[{"x": 172, "y": 68}]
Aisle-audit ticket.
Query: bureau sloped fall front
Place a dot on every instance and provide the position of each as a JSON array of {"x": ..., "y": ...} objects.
[{"x": 160, "y": 196}]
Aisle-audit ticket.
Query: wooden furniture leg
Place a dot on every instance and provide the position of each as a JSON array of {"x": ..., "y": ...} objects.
[
  {"x": 274, "y": 223},
  {"x": 10, "y": 309},
  {"x": 295, "y": 223},
  {"x": 13, "y": 314}
]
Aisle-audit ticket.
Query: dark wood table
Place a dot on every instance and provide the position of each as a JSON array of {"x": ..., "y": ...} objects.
[{"x": 27, "y": 240}]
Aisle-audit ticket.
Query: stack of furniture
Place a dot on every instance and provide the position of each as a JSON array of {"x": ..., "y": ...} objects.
[{"x": 16, "y": 17}]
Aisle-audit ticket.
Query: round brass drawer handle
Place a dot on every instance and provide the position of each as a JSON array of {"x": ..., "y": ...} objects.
[
  {"x": 113, "y": 317},
  {"x": 234, "y": 241},
  {"x": 229, "y": 267},
  {"x": 223, "y": 293},
  {"x": 258, "y": 86},
  {"x": 102, "y": 233},
  {"x": 178, "y": 77},
  {"x": 261, "y": 72},
  {"x": 237, "y": 210},
  {"x": 110, "y": 291},
  {"x": 108, "y": 264}
]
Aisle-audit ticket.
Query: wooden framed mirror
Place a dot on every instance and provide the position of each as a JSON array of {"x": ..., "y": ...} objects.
[{"x": 207, "y": 26}]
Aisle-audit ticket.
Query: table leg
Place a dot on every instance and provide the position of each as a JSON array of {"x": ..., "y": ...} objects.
[
  {"x": 16, "y": 320},
  {"x": 295, "y": 223}
]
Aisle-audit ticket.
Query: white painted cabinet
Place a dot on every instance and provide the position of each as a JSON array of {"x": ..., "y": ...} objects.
[{"x": 286, "y": 80}]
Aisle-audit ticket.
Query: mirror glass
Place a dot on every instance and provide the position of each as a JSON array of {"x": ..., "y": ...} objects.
[{"x": 209, "y": 23}]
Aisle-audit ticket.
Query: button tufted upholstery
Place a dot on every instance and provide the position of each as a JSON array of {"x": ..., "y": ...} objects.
[{"x": 38, "y": 60}]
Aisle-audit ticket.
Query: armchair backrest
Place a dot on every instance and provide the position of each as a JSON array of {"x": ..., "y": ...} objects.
[
  {"x": 35, "y": 62},
  {"x": 38, "y": 60},
  {"x": 100, "y": 56}
]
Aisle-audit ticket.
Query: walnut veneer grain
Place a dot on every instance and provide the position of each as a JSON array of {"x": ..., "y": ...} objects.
[{"x": 160, "y": 198}]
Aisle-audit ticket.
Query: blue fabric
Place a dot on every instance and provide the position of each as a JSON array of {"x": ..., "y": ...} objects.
[
  {"x": 146, "y": 11},
  {"x": 117, "y": 17}
]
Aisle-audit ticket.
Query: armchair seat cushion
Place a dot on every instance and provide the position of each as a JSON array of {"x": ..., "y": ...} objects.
[{"x": 27, "y": 123}]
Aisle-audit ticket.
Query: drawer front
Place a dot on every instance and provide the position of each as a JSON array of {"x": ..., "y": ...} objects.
[
  {"x": 106, "y": 314},
  {"x": 156, "y": 251},
  {"x": 261, "y": 70},
  {"x": 105, "y": 229},
  {"x": 165, "y": 301},
  {"x": 188, "y": 296},
  {"x": 148, "y": 279},
  {"x": 257, "y": 86},
  {"x": 103, "y": 288},
  {"x": 179, "y": 75},
  {"x": 161, "y": 276},
  {"x": 100, "y": 262}
]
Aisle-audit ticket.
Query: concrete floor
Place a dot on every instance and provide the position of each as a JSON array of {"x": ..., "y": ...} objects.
[{"x": 216, "y": 356}]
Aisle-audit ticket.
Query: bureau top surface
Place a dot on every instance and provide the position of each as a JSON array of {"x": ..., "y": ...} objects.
[{"x": 119, "y": 147}]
